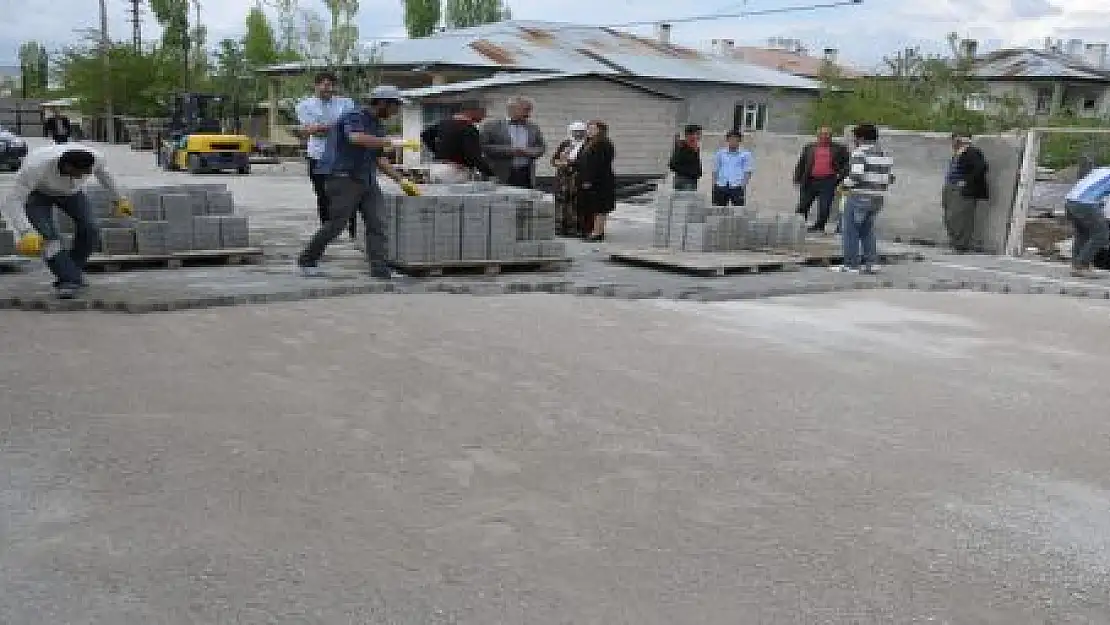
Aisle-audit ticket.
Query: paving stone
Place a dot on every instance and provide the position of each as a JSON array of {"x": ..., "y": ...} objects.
[{"x": 117, "y": 241}]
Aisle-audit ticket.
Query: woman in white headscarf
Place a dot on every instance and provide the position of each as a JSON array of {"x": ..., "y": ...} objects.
[{"x": 565, "y": 160}]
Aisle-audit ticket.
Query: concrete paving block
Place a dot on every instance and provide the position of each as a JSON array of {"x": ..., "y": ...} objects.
[
  {"x": 177, "y": 208},
  {"x": 219, "y": 203},
  {"x": 234, "y": 232},
  {"x": 150, "y": 237},
  {"x": 7, "y": 243},
  {"x": 206, "y": 233},
  {"x": 475, "y": 233},
  {"x": 118, "y": 223},
  {"x": 447, "y": 230},
  {"x": 553, "y": 249},
  {"x": 116, "y": 241},
  {"x": 528, "y": 249},
  {"x": 502, "y": 229}
]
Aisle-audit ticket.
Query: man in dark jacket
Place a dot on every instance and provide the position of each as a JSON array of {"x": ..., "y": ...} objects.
[
  {"x": 456, "y": 145},
  {"x": 686, "y": 159},
  {"x": 965, "y": 185},
  {"x": 822, "y": 165},
  {"x": 57, "y": 127}
]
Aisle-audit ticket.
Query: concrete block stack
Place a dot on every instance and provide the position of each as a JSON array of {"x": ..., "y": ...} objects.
[
  {"x": 166, "y": 220},
  {"x": 7, "y": 239},
  {"x": 471, "y": 222},
  {"x": 687, "y": 221}
]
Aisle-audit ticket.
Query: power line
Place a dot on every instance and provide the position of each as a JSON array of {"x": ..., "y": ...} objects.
[{"x": 800, "y": 8}]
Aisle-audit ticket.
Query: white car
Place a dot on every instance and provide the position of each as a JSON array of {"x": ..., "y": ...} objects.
[{"x": 12, "y": 150}]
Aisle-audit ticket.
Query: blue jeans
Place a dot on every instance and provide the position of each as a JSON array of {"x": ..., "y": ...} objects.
[
  {"x": 1092, "y": 234},
  {"x": 857, "y": 230},
  {"x": 68, "y": 267}
]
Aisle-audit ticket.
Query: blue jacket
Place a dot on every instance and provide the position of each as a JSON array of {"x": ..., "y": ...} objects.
[{"x": 343, "y": 158}]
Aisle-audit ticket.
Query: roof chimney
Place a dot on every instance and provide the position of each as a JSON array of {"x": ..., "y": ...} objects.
[
  {"x": 968, "y": 48},
  {"x": 831, "y": 55},
  {"x": 663, "y": 32}
]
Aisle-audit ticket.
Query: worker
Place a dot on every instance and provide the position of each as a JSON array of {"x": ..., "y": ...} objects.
[
  {"x": 1087, "y": 207},
  {"x": 57, "y": 127},
  {"x": 456, "y": 145},
  {"x": 351, "y": 160},
  {"x": 52, "y": 176},
  {"x": 317, "y": 115}
]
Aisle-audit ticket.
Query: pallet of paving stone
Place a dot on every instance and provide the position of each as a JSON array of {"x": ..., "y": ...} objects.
[
  {"x": 821, "y": 254},
  {"x": 482, "y": 267},
  {"x": 11, "y": 263},
  {"x": 706, "y": 264},
  {"x": 112, "y": 263}
]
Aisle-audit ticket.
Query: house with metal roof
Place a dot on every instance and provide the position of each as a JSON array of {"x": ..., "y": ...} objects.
[
  {"x": 1053, "y": 81},
  {"x": 717, "y": 92}
]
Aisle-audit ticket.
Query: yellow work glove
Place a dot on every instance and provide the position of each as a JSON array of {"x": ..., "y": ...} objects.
[
  {"x": 409, "y": 187},
  {"x": 123, "y": 208},
  {"x": 413, "y": 145},
  {"x": 29, "y": 244}
]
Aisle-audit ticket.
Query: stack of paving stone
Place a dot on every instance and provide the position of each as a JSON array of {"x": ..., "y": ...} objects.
[
  {"x": 471, "y": 222},
  {"x": 7, "y": 239},
  {"x": 166, "y": 220},
  {"x": 687, "y": 221}
]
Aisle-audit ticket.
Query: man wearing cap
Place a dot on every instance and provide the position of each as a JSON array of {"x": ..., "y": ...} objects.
[
  {"x": 351, "y": 160},
  {"x": 965, "y": 186},
  {"x": 456, "y": 145}
]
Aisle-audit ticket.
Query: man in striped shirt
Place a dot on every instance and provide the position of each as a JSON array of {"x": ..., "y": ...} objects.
[{"x": 870, "y": 174}]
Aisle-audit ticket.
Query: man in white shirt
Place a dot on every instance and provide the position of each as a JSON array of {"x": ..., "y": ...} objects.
[
  {"x": 52, "y": 176},
  {"x": 317, "y": 115}
]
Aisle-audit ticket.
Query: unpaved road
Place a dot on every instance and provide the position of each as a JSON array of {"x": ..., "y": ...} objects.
[{"x": 860, "y": 458}]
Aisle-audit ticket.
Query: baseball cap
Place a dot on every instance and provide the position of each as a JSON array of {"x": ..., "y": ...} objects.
[{"x": 387, "y": 92}]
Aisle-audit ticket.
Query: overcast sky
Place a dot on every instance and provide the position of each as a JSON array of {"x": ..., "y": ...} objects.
[{"x": 864, "y": 33}]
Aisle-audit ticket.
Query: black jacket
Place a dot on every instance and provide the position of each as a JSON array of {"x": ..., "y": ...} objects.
[
  {"x": 56, "y": 127},
  {"x": 456, "y": 141},
  {"x": 597, "y": 182},
  {"x": 686, "y": 161},
  {"x": 974, "y": 167},
  {"x": 840, "y": 158}
]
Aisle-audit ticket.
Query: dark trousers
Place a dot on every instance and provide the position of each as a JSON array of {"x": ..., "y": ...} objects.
[
  {"x": 682, "y": 183},
  {"x": 67, "y": 267},
  {"x": 824, "y": 191},
  {"x": 724, "y": 196},
  {"x": 520, "y": 177},
  {"x": 322, "y": 202},
  {"x": 1092, "y": 234},
  {"x": 348, "y": 197},
  {"x": 959, "y": 217},
  {"x": 61, "y": 138}
]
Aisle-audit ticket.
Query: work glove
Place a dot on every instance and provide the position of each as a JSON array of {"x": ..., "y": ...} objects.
[
  {"x": 409, "y": 187},
  {"x": 413, "y": 145},
  {"x": 29, "y": 244},
  {"x": 123, "y": 208}
]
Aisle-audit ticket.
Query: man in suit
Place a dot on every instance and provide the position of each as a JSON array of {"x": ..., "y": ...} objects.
[
  {"x": 965, "y": 185},
  {"x": 821, "y": 167},
  {"x": 512, "y": 145}
]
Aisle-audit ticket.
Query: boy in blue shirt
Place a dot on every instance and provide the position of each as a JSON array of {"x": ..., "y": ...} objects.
[
  {"x": 351, "y": 161},
  {"x": 732, "y": 169}
]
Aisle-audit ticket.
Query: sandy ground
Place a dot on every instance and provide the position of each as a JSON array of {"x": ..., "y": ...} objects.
[{"x": 878, "y": 457}]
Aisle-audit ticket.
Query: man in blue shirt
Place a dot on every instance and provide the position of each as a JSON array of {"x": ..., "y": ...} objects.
[
  {"x": 351, "y": 160},
  {"x": 1086, "y": 207},
  {"x": 316, "y": 116},
  {"x": 732, "y": 169}
]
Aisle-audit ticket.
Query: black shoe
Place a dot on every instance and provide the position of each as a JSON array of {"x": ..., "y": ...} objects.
[
  {"x": 596, "y": 238},
  {"x": 67, "y": 290},
  {"x": 382, "y": 272},
  {"x": 82, "y": 284},
  {"x": 816, "y": 228}
]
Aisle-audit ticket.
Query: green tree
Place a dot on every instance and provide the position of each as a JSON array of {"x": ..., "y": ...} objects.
[
  {"x": 139, "y": 80},
  {"x": 466, "y": 13},
  {"x": 421, "y": 17},
  {"x": 259, "y": 43},
  {"x": 34, "y": 68},
  {"x": 173, "y": 17},
  {"x": 343, "y": 36}
]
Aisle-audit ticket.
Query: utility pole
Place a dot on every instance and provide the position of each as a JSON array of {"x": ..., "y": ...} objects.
[
  {"x": 105, "y": 48},
  {"x": 137, "y": 24}
]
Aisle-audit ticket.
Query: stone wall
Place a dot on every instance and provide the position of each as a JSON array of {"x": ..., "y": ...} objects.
[{"x": 913, "y": 211}]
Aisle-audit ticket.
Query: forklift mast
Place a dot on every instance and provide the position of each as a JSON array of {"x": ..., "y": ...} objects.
[{"x": 196, "y": 113}]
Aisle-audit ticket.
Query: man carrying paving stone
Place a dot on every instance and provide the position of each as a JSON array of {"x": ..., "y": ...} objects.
[
  {"x": 52, "y": 176},
  {"x": 351, "y": 160}
]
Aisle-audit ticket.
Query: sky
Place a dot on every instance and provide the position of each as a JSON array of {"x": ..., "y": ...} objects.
[{"x": 863, "y": 33}]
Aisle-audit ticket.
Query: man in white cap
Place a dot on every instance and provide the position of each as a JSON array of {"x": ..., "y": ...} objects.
[{"x": 351, "y": 161}]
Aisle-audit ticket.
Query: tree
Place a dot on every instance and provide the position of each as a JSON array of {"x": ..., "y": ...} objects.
[
  {"x": 34, "y": 69},
  {"x": 421, "y": 17},
  {"x": 259, "y": 43},
  {"x": 173, "y": 17},
  {"x": 139, "y": 80},
  {"x": 343, "y": 36},
  {"x": 466, "y": 13}
]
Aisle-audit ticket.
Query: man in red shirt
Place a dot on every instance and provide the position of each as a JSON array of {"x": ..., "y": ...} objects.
[{"x": 821, "y": 167}]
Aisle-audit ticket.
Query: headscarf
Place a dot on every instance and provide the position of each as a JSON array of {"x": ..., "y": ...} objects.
[{"x": 575, "y": 143}]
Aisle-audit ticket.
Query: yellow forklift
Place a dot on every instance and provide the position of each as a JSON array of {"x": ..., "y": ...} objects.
[{"x": 196, "y": 140}]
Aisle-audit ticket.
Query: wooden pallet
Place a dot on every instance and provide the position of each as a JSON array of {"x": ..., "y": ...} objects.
[
  {"x": 821, "y": 254},
  {"x": 13, "y": 263},
  {"x": 706, "y": 263},
  {"x": 483, "y": 267},
  {"x": 192, "y": 258}
]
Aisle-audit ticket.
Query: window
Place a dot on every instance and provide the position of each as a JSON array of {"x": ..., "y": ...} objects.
[
  {"x": 1044, "y": 101},
  {"x": 1089, "y": 104},
  {"x": 750, "y": 116},
  {"x": 975, "y": 102}
]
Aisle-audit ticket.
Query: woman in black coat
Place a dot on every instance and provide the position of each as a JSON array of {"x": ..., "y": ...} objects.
[{"x": 597, "y": 184}]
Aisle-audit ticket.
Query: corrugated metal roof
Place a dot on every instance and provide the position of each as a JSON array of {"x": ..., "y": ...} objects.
[
  {"x": 511, "y": 79},
  {"x": 568, "y": 48},
  {"x": 1029, "y": 64}
]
